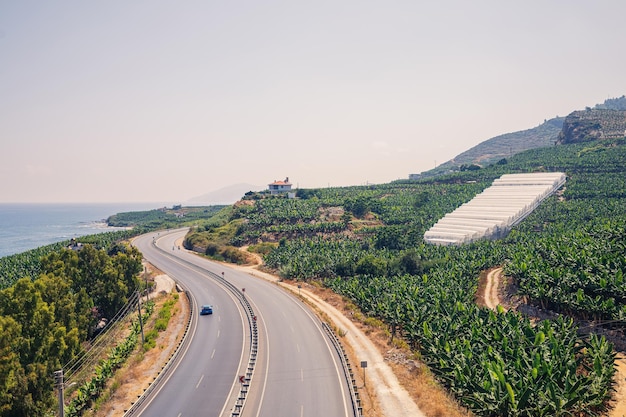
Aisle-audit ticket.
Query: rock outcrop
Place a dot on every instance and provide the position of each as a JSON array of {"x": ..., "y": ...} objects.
[{"x": 593, "y": 124}]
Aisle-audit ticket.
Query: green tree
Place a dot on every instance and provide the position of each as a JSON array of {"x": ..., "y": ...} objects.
[
  {"x": 410, "y": 262},
  {"x": 43, "y": 322},
  {"x": 391, "y": 237},
  {"x": 359, "y": 205},
  {"x": 43, "y": 344},
  {"x": 372, "y": 266},
  {"x": 10, "y": 337},
  {"x": 108, "y": 280}
]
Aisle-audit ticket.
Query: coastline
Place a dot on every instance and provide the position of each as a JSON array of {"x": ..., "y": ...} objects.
[{"x": 27, "y": 226}]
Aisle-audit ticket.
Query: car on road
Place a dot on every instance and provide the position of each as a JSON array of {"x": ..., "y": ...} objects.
[{"x": 206, "y": 309}]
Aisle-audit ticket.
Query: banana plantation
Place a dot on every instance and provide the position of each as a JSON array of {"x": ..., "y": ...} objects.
[
  {"x": 367, "y": 243},
  {"x": 567, "y": 256}
]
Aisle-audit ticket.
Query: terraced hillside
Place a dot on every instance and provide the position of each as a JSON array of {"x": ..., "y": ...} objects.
[{"x": 593, "y": 124}]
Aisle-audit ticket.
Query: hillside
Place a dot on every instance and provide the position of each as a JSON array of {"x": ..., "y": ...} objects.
[
  {"x": 593, "y": 124},
  {"x": 504, "y": 146},
  {"x": 499, "y": 147},
  {"x": 604, "y": 120},
  {"x": 366, "y": 244}
]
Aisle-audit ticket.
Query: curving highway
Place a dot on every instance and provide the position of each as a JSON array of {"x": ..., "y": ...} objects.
[
  {"x": 298, "y": 372},
  {"x": 203, "y": 381}
]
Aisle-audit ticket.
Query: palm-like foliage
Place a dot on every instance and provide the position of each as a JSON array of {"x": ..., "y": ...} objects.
[{"x": 568, "y": 256}]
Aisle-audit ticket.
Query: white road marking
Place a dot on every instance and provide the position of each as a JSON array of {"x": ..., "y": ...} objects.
[
  {"x": 198, "y": 384},
  {"x": 213, "y": 354}
]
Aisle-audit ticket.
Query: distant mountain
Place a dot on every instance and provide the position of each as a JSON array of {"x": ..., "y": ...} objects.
[
  {"x": 602, "y": 121},
  {"x": 226, "y": 195}
]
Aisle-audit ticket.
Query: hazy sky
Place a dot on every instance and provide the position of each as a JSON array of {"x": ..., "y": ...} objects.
[{"x": 124, "y": 101}]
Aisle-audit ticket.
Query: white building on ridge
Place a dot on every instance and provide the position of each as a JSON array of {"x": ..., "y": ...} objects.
[{"x": 278, "y": 187}]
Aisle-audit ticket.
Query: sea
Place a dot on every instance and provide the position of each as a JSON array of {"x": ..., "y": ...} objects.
[{"x": 29, "y": 226}]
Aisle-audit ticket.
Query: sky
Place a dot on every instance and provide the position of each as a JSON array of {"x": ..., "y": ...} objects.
[{"x": 141, "y": 101}]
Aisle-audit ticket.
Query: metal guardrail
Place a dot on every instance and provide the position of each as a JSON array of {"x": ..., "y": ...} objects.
[
  {"x": 254, "y": 344},
  {"x": 350, "y": 379},
  {"x": 244, "y": 380}
]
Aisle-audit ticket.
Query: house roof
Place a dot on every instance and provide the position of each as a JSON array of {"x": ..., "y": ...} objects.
[{"x": 285, "y": 182}]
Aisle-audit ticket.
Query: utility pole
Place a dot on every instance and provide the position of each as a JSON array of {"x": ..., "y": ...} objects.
[
  {"x": 145, "y": 277},
  {"x": 140, "y": 319},
  {"x": 58, "y": 379}
]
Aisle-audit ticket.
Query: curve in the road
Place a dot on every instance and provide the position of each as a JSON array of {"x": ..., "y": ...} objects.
[
  {"x": 223, "y": 335},
  {"x": 301, "y": 374}
]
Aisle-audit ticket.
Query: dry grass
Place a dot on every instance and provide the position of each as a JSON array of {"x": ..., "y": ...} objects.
[
  {"x": 136, "y": 376},
  {"x": 414, "y": 376}
]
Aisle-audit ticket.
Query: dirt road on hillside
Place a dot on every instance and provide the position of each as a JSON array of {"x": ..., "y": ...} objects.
[{"x": 492, "y": 300}]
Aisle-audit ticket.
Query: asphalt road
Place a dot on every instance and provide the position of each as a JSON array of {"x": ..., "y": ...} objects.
[
  {"x": 297, "y": 373},
  {"x": 204, "y": 380}
]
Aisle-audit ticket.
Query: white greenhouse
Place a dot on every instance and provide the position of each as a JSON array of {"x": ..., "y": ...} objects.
[{"x": 492, "y": 213}]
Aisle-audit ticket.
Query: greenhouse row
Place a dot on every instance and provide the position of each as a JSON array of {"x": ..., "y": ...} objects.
[{"x": 492, "y": 213}]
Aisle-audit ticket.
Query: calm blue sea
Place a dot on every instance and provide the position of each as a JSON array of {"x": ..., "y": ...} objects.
[{"x": 28, "y": 226}]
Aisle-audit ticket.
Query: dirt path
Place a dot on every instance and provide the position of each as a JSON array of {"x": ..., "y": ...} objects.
[
  {"x": 391, "y": 397},
  {"x": 491, "y": 289},
  {"x": 492, "y": 300},
  {"x": 393, "y": 400},
  {"x": 619, "y": 405}
]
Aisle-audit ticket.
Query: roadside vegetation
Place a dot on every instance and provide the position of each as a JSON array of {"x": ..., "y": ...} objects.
[
  {"x": 28, "y": 264},
  {"x": 92, "y": 388},
  {"x": 366, "y": 244},
  {"x": 47, "y": 322},
  {"x": 70, "y": 306}
]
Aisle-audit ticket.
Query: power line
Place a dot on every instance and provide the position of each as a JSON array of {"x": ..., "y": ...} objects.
[{"x": 113, "y": 328}]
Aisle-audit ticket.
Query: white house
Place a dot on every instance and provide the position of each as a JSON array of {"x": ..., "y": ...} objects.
[{"x": 278, "y": 187}]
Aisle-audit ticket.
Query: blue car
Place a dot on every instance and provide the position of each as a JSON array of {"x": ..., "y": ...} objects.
[{"x": 206, "y": 309}]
